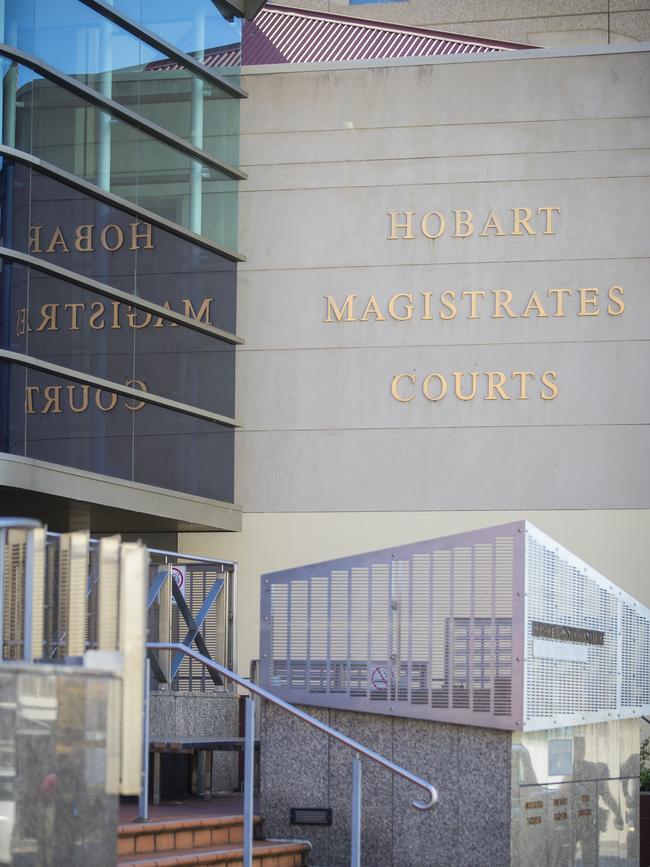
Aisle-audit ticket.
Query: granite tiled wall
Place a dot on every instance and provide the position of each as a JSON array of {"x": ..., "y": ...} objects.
[{"x": 300, "y": 767}]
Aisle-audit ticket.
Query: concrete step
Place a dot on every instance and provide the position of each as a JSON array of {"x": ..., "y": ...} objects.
[{"x": 199, "y": 842}]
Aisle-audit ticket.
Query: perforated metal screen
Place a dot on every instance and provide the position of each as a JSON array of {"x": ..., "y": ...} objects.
[
  {"x": 422, "y": 630},
  {"x": 499, "y": 627},
  {"x": 587, "y": 653}
]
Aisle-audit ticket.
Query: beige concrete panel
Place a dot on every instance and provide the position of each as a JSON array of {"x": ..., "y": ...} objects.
[
  {"x": 595, "y": 383},
  {"x": 598, "y": 218},
  {"x": 433, "y": 140},
  {"x": 599, "y": 467},
  {"x": 408, "y": 172},
  {"x": 494, "y": 90},
  {"x": 286, "y": 309},
  {"x": 608, "y": 540}
]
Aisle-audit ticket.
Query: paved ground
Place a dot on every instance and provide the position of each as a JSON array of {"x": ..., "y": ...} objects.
[{"x": 220, "y": 805}]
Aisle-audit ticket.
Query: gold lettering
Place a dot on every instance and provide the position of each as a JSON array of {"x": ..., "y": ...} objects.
[
  {"x": 345, "y": 311},
  {"x": 534, "y": 304},
  {"x": 138, "y": 404},
  {"x": 84, "y": 391},
  {"x": 372, "y": 307},
  {"x": 160, "y": 322},
  {"x": 559, "y": 299},
  {"x": 53, "y": 395},
  {"x": 74, "y": 320},
  {"x": 552, "y": 387},
  {"x": 492, "y": 222},
  {"x": 408, "y": 308},
  {"x": 449, "y": 305},
  {"x": 98, "y": 311},
  {"x": 427, "y": 305},
  {"x": 548, "y": 210},
  {"x": 83, "y": 240},
  {"x": 588, "y": 298},
  {"x": 34, "y": 239},
  {"x": 620, "y": 304},
  {"x": 394, "y": 225},
  {"x": 522, "y": 221},
  {"x": 500, "y": 304},
  {"x": 57, "y": 241},
  {"x": 204, "y": 310},
  {"x": 473, "y": 295},
  {"x": 522, "y": 374},
  {"x": 132, "y": 319},
  {"x": 458, "y": 377},
  {"x": 116, "y": 315},
  {"x": 29, "y": 398},
  {"x": 395, "y": 384},
  {"x": 21, "y": 321},
  {"x": 49, "y": 319},
  {"x": 443, "y": 387},
  {"x": 495, "y": 383},
  {"x": 135, "y": 236},
  {"x": 119, "y": 237},
  {"x": 425, "y": 225},
  {"x": 464, "y": 221},
  {"x": 100, "y": 405}
]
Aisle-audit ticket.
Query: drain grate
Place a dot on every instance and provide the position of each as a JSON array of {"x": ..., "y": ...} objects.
[{"x": 311, "y": 816}]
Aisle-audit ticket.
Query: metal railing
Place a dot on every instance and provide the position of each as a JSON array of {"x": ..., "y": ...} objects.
[{"x": 249, "y": 753}]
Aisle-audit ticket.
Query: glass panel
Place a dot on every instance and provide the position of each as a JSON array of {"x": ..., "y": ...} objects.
[
  {"x": 66, "y": 227},
  {"x": 49, "y": 122},
  {"x": 195, "y": 26},
  {"x": 98, "y": 53},
  {"x": 53, "y": 419},
  {"x": 67, "y": 325}
]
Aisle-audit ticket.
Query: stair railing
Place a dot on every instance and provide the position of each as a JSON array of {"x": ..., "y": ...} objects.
[{"x": 249, "y": 753}]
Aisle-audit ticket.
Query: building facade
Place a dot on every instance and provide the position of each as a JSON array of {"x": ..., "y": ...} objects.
[
  {"x": 119, "y": 264},
  {"x": 444, "y": 308}
]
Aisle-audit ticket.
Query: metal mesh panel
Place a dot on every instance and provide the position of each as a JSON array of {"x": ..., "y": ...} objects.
[
  {"x": 215, "y": 628},
  {"x": 587, "y": 644},
  {"x": 423, "y": 630}
]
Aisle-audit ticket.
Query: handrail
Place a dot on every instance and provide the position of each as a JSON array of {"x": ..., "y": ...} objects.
[{"x": 310, "y": 720}]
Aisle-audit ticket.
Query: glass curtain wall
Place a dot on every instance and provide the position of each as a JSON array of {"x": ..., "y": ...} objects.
[{"x": 94, "y": 96}]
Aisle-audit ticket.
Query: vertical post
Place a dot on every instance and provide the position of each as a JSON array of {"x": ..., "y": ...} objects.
[
  {"x": 103, "y": 118},
  {"x": 196, "y": 168},
  {"x": 28, "y": 595},
  {"x": 249, "y": 775},
  {"x": 355, "y": 849},
  {"x": 3, "y": 542},
  {"x": 143, "y": 801}
]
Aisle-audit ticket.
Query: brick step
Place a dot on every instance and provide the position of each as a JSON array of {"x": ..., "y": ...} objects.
[
  {"x": 266, "y": 853},
  {"x": 199, "y": 842},
  {"x": 135, "y": 838}
]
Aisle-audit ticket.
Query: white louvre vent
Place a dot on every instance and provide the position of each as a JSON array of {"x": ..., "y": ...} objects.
[{"x": 422, "y": 630}]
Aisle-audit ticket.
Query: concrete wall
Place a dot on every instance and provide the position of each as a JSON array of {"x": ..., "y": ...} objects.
[
  {"x": 329, "y": 463},
  {"x": 538, "y": 22},
  {"x": 300, "y": 767},
  {"x": 196, "y": 715}
]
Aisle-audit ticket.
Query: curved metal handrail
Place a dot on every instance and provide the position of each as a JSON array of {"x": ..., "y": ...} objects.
[
  {"x": 19, "y": 523},
  {"x": 310, "y": 720}
]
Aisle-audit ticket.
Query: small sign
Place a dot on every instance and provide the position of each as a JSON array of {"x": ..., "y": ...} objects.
[
  {"x": 179, "y": 576},
  {"x": 379, "y": 677},
  {"x": 560, "y": 757}
]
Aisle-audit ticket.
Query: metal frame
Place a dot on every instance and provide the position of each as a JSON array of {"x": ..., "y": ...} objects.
[
  {"x": 115, "y": 201},
  {"x": 117, "y": 388},
  {"x": 165, "y": 47},
  {"x": 358, "y": 749},
  {"x": 399, "y": 565},
  {"x": 120, "y": 112},
  {"x": 120, "y": 295}
]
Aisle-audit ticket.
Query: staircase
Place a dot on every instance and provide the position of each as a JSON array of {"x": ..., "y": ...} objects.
[{"x": 201, "y": 841}]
